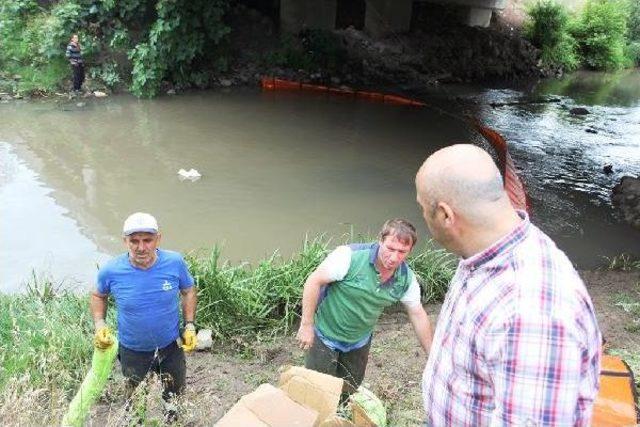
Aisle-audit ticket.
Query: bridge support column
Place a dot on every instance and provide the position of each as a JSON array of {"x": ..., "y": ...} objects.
[
  {"x": 387, "y": 16},
  {"x": 312, "y": 14},
  {"x": 477, "y": 17}
]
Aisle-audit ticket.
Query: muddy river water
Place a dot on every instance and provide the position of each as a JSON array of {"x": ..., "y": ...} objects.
[{"x": 278, "y": 166}]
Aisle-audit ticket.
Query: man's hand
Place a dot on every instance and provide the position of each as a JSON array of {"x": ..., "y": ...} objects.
[
  {"x": 103, "y": 338},
  {"x": 305, "y": 336},
  {"x": 189, "y": 340}
]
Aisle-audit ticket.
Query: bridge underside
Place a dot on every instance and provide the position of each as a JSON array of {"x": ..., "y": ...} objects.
[{"x": 380, "y": 16}]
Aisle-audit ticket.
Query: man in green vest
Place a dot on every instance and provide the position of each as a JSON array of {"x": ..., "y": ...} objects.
[{"x": 344, "y": 297}]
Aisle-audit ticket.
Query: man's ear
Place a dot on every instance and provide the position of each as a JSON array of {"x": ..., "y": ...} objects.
[
  {"x": 445, "y": 214},
  {"x": 159, "y": 237}
]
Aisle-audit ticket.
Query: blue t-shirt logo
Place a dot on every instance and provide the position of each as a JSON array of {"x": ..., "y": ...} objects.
[{"x": 166, "y": 286}]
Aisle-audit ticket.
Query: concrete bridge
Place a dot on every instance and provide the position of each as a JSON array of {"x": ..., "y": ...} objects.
[{"x": 380, "y": 16}]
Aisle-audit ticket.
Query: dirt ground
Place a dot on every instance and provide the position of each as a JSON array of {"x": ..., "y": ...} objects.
[{"x": 217, "y": 379}]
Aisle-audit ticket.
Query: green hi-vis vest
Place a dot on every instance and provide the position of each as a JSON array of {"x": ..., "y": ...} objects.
[{"x": 352, "y": 306}]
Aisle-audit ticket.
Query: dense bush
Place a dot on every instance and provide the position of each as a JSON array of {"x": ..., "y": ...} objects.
[
  {"x": 548, "y": 30},
  {"x": 183, "y": 32},
  {"x": 633, "y": 23},
  {"x": 175, "y": 40},
  {"x": 605, "y": 35},
  {"x": 601, "y": 33}
]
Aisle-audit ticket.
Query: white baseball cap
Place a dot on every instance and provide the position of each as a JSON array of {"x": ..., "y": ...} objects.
[{"x": 140, "y": 222}]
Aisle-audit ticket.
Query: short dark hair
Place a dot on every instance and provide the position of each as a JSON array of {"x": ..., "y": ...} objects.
[{"x": 402, "y": 229}]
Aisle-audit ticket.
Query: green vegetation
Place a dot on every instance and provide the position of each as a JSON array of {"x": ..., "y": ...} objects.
[
  {"x": 313, "y": 50},
  {"x": 548, "y": 29},
  {"x": 137, "y": 42},
  {"x": 601, "y": 32},
  {"x": 633, "y": 49},
  {"x": 605, "y": 35},
  {"x": 45, "y": 333},
  {"x": 239, "y": 300},
  {"x": 623, "y": 262}
]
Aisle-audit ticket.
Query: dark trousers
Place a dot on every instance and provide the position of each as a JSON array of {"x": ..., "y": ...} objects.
[
  {"x": 168, "y": 362},
  {"x": 349, "y": 366},
  {"x": 78, "y": 76}
]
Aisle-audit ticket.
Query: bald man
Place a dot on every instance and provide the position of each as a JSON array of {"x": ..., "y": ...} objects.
[{"x": 517, "y": 342}]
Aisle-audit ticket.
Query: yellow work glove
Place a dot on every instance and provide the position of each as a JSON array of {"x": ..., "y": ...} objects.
[
  {"x": 189, "y": 340},
  {"x": 103, "y": 338}
]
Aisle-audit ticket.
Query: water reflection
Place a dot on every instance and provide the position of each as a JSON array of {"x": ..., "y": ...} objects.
[
  {"x": 274, "y": 167},
  {"x": 278, "y": 165},
  {"x": 596, "y": 88}
]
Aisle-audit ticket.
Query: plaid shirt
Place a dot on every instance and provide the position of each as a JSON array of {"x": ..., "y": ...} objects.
[{"x": 517, "y": 341}]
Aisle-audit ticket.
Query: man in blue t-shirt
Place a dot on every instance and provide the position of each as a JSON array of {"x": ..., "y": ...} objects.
[{"x": 146, "y": 283}]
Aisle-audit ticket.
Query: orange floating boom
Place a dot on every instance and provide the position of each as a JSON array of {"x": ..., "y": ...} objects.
[{"x": 512, "y": 182}]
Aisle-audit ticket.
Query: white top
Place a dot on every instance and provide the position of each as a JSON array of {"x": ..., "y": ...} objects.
[{"x": 336, "y": 265}]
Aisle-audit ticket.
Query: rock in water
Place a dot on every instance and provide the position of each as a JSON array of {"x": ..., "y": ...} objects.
[
  {"x": 626, "y": 195},
  {"x": 99, "y": 94},
  {"x": 579, "y": 111}
]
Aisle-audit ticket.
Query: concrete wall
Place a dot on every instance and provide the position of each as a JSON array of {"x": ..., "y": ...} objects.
[
  {"x": 394, "y": 16},
  {"x": 313, "y": 14}
]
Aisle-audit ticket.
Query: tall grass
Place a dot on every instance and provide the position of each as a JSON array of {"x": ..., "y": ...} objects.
[
  {"x": 45, "y": 333},
  {"x": 44, "y": 337},
  {"x": 236, "y": 300}
]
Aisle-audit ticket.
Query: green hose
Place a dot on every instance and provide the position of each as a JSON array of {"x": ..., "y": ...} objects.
[{"x": 92, "y": 386}]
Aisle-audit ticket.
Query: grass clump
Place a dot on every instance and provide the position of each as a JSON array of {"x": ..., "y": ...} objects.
[
  {"x": 623, "y": 262},
  {"x": 44, "y": 337},
  {"x": 239, "y": 300}
]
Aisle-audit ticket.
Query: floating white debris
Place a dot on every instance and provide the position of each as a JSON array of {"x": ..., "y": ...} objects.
[
  {"x": 191, "y": 174},
  {"x": 99, "y": 94}
]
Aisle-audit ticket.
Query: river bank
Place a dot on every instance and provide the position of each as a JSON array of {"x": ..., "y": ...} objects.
[
  {"x": 236, "y": 365},
  {"x": 438, "y": 51}
]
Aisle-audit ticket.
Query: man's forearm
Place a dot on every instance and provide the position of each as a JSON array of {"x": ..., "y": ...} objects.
[
  {"x": 98, "y": 305},
  {"x": 189, "y": 301},
  {"x": 422, "y": 327},
  {"x": 310, "y": 295}
]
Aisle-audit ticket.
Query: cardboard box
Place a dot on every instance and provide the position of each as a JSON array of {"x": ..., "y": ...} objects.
[
  {"x": 305, "y": 398},
  {"x": 268, "y": 406}
]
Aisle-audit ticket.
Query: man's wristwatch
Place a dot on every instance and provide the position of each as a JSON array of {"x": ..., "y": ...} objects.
[{"x": 189, "y": 326}]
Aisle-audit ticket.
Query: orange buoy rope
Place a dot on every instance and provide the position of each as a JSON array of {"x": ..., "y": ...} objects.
[{"x": 512, "y": 182}]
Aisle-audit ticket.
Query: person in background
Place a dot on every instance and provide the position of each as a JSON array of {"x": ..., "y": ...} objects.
[
  {"x": 74, "y": 55},
  {"x": 146, "y": 283},
  {"x": 517, "y": 341}
]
